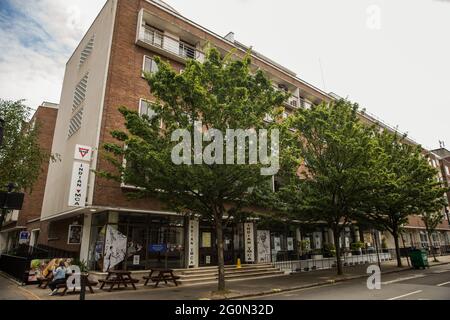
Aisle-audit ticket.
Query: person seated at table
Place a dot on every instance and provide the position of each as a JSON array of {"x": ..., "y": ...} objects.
[{"x": 59, "y": 277}]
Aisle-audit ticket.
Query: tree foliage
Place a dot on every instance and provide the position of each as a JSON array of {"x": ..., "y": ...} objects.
[
  {"x": 20, "y": 154},
  {"x": 223, "y": 94}
]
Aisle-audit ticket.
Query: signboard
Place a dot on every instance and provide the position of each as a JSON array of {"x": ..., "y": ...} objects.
[
  {"x": 263, "y": 245},
  {"x": 208, "y": 260},
  {"x": 157, "y": 247},
  {"x": 78, "y": 184},
  {"x": 24, "y": 237},
  {"x": 193, "y": 243},
  {"x": 249, "y": 242},
  {"x": 83, "y": 153},
  {"x": 290, "y": 243},
  {"x": 74, "y": 235},
  {"x": 136, "y": 260}
]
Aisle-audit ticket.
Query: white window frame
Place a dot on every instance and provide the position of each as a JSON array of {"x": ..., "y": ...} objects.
[
  {"x": 149, "y": 102},
  {"x": 143, "y": 64}
]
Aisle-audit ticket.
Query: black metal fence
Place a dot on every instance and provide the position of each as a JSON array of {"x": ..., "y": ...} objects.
[{"x": 17, "y": 261}]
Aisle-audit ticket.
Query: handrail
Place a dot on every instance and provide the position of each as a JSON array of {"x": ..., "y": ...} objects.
[{"x": 156, "y": 38}]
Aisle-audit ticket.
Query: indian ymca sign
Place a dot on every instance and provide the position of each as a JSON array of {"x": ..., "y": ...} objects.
[{"x": 80, "y": 176}]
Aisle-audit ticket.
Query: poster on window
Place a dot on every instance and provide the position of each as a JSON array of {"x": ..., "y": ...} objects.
[
  {"x": 290, "y": 243},
  {"x": 276, "y": 244},
  {"x": 249, "y": 242},
  {"x": 74, "y": 236},
  {"x": 115, "y": 248},
  {"x": 263, "y": 245}
]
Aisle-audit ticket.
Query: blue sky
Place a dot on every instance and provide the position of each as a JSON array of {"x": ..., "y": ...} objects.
[{"x": 393, "y": 61}]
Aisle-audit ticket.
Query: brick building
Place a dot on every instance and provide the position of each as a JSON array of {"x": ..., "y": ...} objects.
[
  {"x": 28, "y": 219},
  {"x": 82, "y": 212}
]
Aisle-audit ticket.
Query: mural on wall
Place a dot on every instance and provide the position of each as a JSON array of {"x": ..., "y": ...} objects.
[
  {"x": 263, "y": 244},
  {"x": 115, "y": 248}
]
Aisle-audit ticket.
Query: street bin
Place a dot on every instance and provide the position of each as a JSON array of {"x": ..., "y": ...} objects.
[{"x": 419, "y": 258}]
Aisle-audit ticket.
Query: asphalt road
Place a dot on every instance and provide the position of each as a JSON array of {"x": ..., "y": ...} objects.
[{"x": 429, "y": 284}]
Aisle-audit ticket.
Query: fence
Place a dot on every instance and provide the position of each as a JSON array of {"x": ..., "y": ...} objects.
[
  {"x": 17, "y": 261},
  {"x": 329, "y": 263}
]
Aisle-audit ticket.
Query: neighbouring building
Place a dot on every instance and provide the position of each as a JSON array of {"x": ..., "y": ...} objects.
[{"x": 28, "y": 219}]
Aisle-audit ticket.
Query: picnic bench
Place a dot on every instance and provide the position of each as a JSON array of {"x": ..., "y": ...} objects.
[
  {"x": 118, "y": 278},
  {"x": 89, "y": 285},
  {"x": 44, "y": 281},
  {"x": 160, "y": 276}
]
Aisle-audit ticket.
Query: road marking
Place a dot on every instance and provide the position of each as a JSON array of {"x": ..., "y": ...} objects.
[
  {"x": 404, "y": 279},
  {"x": 443, "y": 284},
  {"x": 405, "y": 295}
]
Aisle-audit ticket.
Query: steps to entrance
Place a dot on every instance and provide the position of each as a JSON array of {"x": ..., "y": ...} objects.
[{"x": 205, "y": 275}]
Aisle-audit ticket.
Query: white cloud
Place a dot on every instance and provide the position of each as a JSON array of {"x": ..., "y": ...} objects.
[{"x": 37, "y": 40}]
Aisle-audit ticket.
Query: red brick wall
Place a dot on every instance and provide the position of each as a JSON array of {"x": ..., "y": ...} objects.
[{"x": 45, "y": 118}]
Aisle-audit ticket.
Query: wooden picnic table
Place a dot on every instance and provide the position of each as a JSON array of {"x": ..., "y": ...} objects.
[
  {"x": 118, "y": 277},
  {"x": 161, "y": 275}
]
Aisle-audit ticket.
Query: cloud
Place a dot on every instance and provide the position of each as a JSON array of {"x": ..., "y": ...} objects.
[{"x": 37, "y": 40}]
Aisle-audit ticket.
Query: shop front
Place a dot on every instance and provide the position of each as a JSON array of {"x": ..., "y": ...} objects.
[{"x": 136, "y": 241}]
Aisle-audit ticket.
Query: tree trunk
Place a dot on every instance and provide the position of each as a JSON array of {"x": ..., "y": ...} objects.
[
  {"x": 220, "y": 258},
  {"x": 431, "y": 247},
  {"x": 336, "y": 236},
  {"x": 397, "y": 248}
]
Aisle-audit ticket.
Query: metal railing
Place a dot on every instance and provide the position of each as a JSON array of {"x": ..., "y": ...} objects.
[
  {"x": 156, "y": 38},
  {"x": 329, "y": 263}
]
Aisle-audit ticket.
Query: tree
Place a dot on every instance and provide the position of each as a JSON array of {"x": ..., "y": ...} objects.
[
  {"x": 210, "y": 97},
  {"x": 335, "y": 177},
  {"x": 405, "y": 184},
  {"x": 431, "y": 204},
  {"x": 20, "y": 154}
]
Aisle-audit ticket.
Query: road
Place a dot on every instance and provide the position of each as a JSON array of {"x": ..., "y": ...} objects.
[
  {"x": 9, "y": 290},
  {"x": 429, "y": 284}
]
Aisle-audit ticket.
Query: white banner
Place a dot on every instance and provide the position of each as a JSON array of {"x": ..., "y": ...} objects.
[
  {"x": 115, "y": 248},
  {"x": 290, "y": 243},
  {"x": 263, "y": 245},
  {"x": 249, "y": 241},
  {"x": 193, "y": 236},
  {"x": 78, "y": 184},
  {"x": 83, "y": 153}
]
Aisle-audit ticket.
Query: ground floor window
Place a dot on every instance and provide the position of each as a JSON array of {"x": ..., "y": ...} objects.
[{"x": 143, "y": 241}]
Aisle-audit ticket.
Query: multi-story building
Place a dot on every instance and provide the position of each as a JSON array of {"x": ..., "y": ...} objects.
[
  {"x": 28, "y": 219},
  {"x": 81, "y": 210},
  {"x": 105, "y": 72}
]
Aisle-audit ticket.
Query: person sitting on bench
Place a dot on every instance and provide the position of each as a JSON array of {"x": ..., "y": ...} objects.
[{"x": 59, "y": 277}]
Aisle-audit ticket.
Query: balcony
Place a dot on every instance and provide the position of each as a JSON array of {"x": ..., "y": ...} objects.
[
  {"x": 166, "y": 45},
  {"x": 297, "y": 102}
]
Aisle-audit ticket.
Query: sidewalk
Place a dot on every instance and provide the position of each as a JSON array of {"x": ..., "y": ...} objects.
[{"x": 238, "y": 289}]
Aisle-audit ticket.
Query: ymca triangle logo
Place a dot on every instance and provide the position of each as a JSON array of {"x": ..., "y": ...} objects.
[{"x": 83, "y": 152}]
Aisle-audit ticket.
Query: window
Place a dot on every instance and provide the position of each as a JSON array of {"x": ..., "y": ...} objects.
[
  {"x": 80, "y": 92},
  {"x": 87, "y": 51},
  {"x": 149, "y": 65},
  {"x": 75, "y": 123},
  {"x": 145, "y": 107}
]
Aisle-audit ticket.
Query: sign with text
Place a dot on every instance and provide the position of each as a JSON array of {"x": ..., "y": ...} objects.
[
  {"x": 24, "y": 237},
  {"x": 193, "y": 243},
  {"x": 157, "y": 247},
  {"x": 78, "y": 184},
  {"x": 249, "y": 241},
  {"x": 83, "y": 153}
]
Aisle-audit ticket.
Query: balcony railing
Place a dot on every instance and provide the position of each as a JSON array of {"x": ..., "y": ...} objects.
[{"x": 168, "y": 44}]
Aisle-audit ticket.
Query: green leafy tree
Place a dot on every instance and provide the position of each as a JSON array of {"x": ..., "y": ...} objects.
[
  {"x": 20, "y": 154},
  {"x": 223, "y": 94},
  {"x": 334, "y": 179},
  {"x": 405, "y": 184}
]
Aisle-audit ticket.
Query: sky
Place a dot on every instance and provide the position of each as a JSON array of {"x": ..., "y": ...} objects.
[{"x": 390, "y": 56}]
